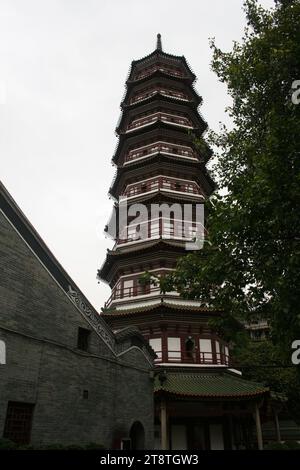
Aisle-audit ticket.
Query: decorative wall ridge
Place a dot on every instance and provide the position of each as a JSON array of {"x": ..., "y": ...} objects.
[{"x": 92, "y": 317}]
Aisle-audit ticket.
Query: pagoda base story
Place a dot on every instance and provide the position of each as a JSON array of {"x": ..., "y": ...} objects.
[
  {"x": 187, "y": 427},
  {"x": 208, "y": 411}
]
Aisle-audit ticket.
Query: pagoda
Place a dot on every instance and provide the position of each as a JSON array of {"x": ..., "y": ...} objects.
[{"x": 201, "y": 401}]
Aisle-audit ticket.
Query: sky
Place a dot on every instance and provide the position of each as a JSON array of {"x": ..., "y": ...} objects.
[{"x": 63, "y": 66}]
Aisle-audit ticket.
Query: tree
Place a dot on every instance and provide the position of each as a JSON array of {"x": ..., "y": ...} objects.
[
  {"x": 251, "y": 266},
  {"x": 261, "y": 361}
]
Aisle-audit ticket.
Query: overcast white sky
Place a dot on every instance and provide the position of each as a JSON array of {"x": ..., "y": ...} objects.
[{"x": 63, "y": 65}]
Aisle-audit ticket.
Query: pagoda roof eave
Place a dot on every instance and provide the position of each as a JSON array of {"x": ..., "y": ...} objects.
[
  {"x": 163, "y": 125},
  {"x": 160, "y": 73},
  {"x": 166, "y": 55},
  {"x": 164, "y": 304},
  {"x": 125, "y": 139},
  {"x": 162, "y": 158},
  {"x": 155, "y": 101},
  {"x": 161, "y": 247},
  {"x": 167, "y": 197},
  {"x": 146, "y": 246},
  {"x": 159, "y": 96},
  {"x": 196, "y": 101},
  {"x": 214, "y": 385}
]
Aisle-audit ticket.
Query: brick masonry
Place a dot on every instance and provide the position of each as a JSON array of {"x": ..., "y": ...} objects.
[{"x": 39, "y": 325}]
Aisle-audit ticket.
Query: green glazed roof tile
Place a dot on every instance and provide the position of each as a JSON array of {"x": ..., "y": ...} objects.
[{"x": 216, "y": 385}]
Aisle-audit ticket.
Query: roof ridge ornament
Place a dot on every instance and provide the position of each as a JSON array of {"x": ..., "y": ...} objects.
[{"x": 158, "y": 43}]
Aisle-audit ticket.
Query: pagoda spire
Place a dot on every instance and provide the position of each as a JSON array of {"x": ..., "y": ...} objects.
[{"x": 158, "y": 43}]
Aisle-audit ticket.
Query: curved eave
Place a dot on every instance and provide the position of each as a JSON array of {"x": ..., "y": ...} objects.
[
  {"x": 198, "y": 165},
  {"x": 158, "y": 245},
  {"x": 158, "y": 101},
  {"x": 168, "y": 308},
  {"x": 198, "y": 131},
  {"x": 159, "y": 73},
  {"x": 195, "y": 101},
  {"x": 216, "y": 396},
  {"x": 146, "y": 247},
  {"x": 209, "y": 386},
  {"x": 167, "y": 196},
  {"x": 177, "y": 133},
  {"x": 159, "y": 96},
  {"x": 157, "y": 53}
]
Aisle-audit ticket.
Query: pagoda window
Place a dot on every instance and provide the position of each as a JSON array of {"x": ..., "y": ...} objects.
[
  {"x": 168, "y": 227},
  {"x": 143, "y": 288},
  {"x": 153, "y": 184},
  {"x": 189, "y": 188},
  {"x": 155, "y": 228},
  {"x": 218, "y": 353},
  {"x": 174, "y": 349},
  {"x": 190, "y": 350},
  {"x": 194, "y": 229},
  {"x": 156, "y": 345},
  {"x": 206, "y": 355},
  {"x": 166, "y": 184},
  {"x": 133, "y": 232},
  {"x": 226, "y": 351},
  {"x": 127, "y": 288}
]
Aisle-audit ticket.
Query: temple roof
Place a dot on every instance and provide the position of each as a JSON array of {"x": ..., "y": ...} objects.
[
  {"x": 208, "y": 385},
  {"x": 166, "y": 305},
  {"x": 147, "y": 245}
]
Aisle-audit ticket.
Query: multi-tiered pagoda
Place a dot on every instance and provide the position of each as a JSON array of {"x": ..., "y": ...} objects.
[{"x": 200, "y": 402}]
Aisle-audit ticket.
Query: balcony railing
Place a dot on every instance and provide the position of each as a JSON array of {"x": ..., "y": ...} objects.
[
  {"x": 195, "y": 357},
  {"x": 160, "y": 116},
  {"x": 162, "y": 183},
  {"x": 125, "y": 294},
  {"x": 162, "y": 147},
  {"x": 154, "y": 68},
  {"x": 164, "y": 91},
  {"x": 162, "y": 227}
]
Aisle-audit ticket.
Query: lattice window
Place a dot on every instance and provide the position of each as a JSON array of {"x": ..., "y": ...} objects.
[{"x": 18, "y": 422}]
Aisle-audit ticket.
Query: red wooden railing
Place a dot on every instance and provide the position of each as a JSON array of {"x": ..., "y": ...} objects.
[
  {"x": 196, "y": 357},
  {"x": 163, "y": 147},
  {"x": 161, "y": 227},
  {"x": 123, "y": 293},
  {"x": 144, "y": 94},
  {"x": 148, "y": 71},
  {"x": 160, "y": 116},
  {"x": 161, "y": 182}
]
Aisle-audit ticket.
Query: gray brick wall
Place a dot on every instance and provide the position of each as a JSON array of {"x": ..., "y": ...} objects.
[{"x": 39, "y": 325}]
